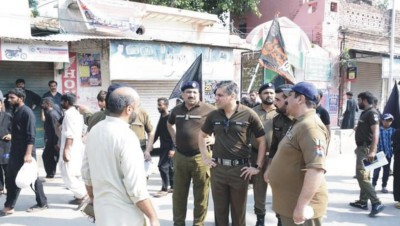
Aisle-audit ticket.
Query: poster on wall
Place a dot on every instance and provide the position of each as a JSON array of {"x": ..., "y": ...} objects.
[
  {"x": 89, "y": 69},
  {"x": 208, "y": 94}
]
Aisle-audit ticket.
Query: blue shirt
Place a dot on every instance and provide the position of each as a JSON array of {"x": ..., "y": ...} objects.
[{"x": 385, "y": 141}]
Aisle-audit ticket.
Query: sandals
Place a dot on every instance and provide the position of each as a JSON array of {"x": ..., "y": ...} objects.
[{"x": 4, "y": 214}]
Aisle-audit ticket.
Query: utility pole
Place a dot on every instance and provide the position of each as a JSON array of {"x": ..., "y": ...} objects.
[{"x": 392, "y": 47}]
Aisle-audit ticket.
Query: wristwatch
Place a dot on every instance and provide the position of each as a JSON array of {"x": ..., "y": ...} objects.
[{"x": 257, "y": 166}]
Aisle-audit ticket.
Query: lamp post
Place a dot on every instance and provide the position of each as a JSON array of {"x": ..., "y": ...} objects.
[{"x": 392, "y": 46}]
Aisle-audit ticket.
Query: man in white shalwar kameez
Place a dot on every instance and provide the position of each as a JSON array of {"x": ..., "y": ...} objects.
[
  {"x": 72, "y": 149},
  {"x": 113, "y": 167}
]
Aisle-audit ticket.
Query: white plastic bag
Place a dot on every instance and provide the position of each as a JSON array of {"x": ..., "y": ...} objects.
[{"x": 27, "y": 175}]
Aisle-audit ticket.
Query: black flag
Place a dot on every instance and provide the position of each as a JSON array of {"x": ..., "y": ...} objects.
[
  {"x": 273, "y": 55},
  {"x": 393, "y": 107},
  {"x": 194, "y": 73}
]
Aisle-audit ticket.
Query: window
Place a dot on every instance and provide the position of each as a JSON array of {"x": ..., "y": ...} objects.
[
  {"x": 312, "y": 7},
  {"x": 334, "y": 7}
]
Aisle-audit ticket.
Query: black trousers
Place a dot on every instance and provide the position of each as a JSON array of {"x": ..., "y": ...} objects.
[
  {"x": 165, "y": 166},
  {"x": 396, "y": 177},
  {"x": 3, "y": 173},
  {"x": 14, "y": 165},
  {"x": 50, "y": 159}
]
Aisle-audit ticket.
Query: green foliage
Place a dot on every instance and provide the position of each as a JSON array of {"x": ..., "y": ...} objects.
[
  {"x": 33, "y": 6},
  {"x": 236, "y": 7}
]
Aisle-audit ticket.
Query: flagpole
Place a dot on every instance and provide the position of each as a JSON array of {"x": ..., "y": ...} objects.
[{"x": 253, "y": 78}]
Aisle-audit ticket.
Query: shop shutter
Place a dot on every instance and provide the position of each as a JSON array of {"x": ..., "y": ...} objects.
[
  {"x": 149, "y": 92},
  {"x": 36, "y": 75},
  {"x": 368, "y": 79}
]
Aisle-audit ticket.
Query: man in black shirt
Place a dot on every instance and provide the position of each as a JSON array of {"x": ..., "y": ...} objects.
[
  {"x": 323, "y": 113},
  {"x": 52, "y": 132},
  {"x": 166, "y": 148},
  {"x": 22, "y": 150}
]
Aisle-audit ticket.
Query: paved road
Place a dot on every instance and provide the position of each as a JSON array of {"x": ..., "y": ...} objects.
[{"x": 342, "y": 189}]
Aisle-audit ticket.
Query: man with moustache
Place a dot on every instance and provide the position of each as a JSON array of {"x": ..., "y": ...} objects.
[
  {"x": 230, "y": 166},
  {"x": 266, "y": 111},
  {"x": 188, "y": 165},
  {"x": 296, "y": 173},
  {"x": 22, "y": 151},
  {"x": 32, "y": 99},
  {"x": 280, "y": 125},
  {"x": 367, "y": 137},
  {"x": 166, "y": 149}
]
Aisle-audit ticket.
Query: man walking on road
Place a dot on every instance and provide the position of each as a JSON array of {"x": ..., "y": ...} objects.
[
  {"x": 350, "y": 113},
  {"x": 230, "y": 166},
  {"x": 22, "y": 150},
  {"x": 367, "y": 136},
  {"x": 113, "y": 167},
  {"x": 296, "y": 173},
  {"x": 188, "y": 118}
]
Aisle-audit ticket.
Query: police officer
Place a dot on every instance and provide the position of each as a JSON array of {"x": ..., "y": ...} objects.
[
  {"x": 188, "y": 118},
  {"x": 231, "y": 125},
  {"x": 266, "y": 111},
  {"x": 280, "y": 124},
  {"x": 367, "y": 135},
  {"x": 296, "y": 174}
]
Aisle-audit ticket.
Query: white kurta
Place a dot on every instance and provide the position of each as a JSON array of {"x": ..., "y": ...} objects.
[
  {"x": 114, "y": 166},
  {"x": 72, "y": 127}
]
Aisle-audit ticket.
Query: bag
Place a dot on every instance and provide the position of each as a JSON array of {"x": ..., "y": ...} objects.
[{"x": 27, "y": 175}]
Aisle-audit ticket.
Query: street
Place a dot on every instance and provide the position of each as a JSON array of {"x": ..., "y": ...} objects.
[{"x": 342, "y": 190}]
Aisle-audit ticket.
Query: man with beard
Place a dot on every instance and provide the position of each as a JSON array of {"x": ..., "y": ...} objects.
[
  {"x": 367, "y": 136},
  {"x": 72, "y": 149},
  {"x": 296, "y": 173},
  {"x": 166, "y": 149},
  {"x": 350, "y": 113},
  {"x": 31, "y": 98},
  {"x": 22, "y": 151},
  {"x": 188, "y": 165},
  {"x": 266, "y": 111},
  {"x": 51, "y": 152},
  {"x": 280, "y": 125}
]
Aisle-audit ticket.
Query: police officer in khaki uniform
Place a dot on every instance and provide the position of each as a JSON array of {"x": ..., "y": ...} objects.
[
  {"x": 266, "y": 111},
  {"x": 280, "y": 124},
  {"x": 367, "y": 135},
  {"x": 296, "y": 174},
  {"x": 231, "y": 124},
  {"x": 188, "y": 118},
  {"x": 141, "y": 126}
]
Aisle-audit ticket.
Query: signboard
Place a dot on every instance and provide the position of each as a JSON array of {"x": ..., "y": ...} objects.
[
  {"x": 13, "y": 50},
  {"x": 318, "y": 69},
  {"x": 69, "y": 76}
]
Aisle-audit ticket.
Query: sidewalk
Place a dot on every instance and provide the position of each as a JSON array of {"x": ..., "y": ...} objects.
[{"x": 342, "y": 190}]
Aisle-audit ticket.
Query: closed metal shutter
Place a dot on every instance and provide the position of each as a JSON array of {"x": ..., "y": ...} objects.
[
  {"x": 369, "y": 78},
  {"x": 36, "y": 75},
  {"x": 149, "y": 92}
]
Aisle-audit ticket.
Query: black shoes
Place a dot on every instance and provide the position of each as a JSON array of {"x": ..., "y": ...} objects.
[
  {"x": 376, "y": 208},
  {"x": 359, "y": 204}
]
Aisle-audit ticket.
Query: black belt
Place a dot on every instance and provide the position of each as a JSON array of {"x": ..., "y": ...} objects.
[
  {"x": 231, "y": 162},
  {"x": 362, "y": 144}
]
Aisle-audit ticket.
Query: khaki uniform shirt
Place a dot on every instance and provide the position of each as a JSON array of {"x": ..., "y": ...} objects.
[
  {"x": 304, "y": 147},
  {"x": 266, "y": 119},
  {"x": 232, "y": 135},
  {"x": 141, "y": 126}
]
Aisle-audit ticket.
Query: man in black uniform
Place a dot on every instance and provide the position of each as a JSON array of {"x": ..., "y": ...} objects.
[
  {"x": 22, "y": 150},
  {"x": 367, "y": 135},
  {"x": 323, "y": 113},
  {"x": 51, "y": 152},
  {"x": 280, "y": 124},
  {"x": 166, "y": 148}
]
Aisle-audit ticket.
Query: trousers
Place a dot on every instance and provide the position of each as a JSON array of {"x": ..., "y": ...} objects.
[
  {"x": 165, "y": 166},
  {"x": 50, "y": 159},
  {"x": 385, "y": 176},
  {"x": 367, "y": 191},
  {"x": 259, "y": 187}
]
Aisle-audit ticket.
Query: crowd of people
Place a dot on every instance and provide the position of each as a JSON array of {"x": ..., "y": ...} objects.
[{"x": 279, "y": 139}]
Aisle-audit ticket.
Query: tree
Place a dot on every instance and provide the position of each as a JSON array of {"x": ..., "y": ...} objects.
[
  {"x": 237, "y": 8},
  {"x": 33, "y": 6}
]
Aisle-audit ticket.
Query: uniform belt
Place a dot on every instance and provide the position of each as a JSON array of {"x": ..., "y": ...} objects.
[
  {"x": 231, "y": 162},
  {"x": 362, "y": 144}
]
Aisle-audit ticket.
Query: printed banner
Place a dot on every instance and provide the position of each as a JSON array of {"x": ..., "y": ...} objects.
[
  {"x": 69, "y": 76},
  {"x": 89, "y": 69},
  {"x": 125, "y": 20},
  {"x": 273, "y": 55},
  {"x": 14, "y": 50}
]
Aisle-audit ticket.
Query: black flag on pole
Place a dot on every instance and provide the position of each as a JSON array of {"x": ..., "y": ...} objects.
[
  {"x": 273, "y": 55},
  {"x": 393, "y": 106},
  {"x": 194, "y": 73}
]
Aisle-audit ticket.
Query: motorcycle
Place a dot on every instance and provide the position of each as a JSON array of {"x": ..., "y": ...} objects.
[{"x": 11, "y": 53}]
